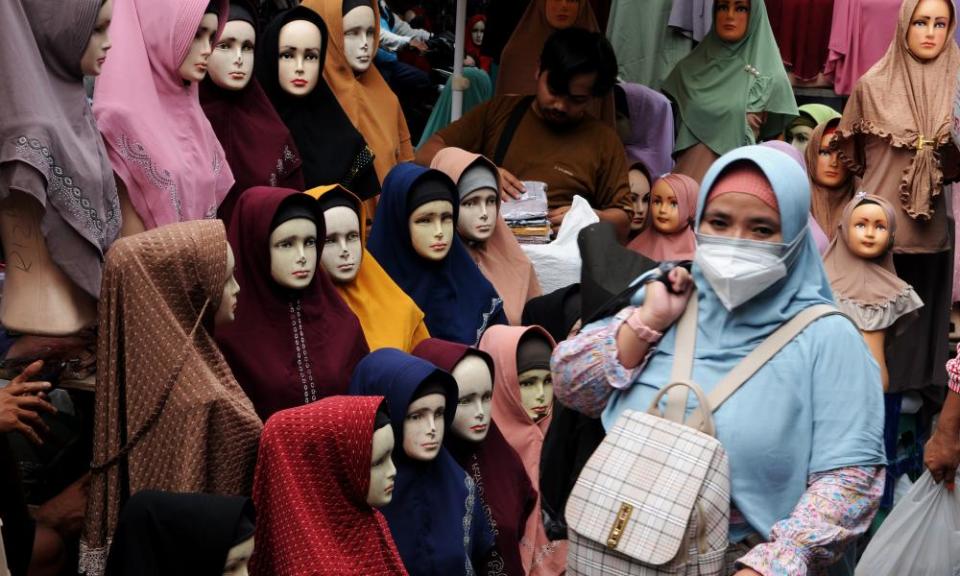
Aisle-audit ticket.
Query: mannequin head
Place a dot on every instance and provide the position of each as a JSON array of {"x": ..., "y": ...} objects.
[
  {"x": 342, "y": 248},
  {"x": 231, "y": 64},
  {"x": 431, "y": 229},
  {"x": 359, "y": 38},
  {"x": 300, "y": 50},
  {"x": 731, "y": 19},
  {"x": 293, "y": 243},
  {"x": 640, "y": 188},
  {"x": 238, "y": 558},
  {"x": 194, "y": 66},
  {"x": 664, "y": 209},
  {"x": 96, "y": 53},
  {"x": 929, "y": 24},
  {"x": 477, "y": 32},
  {"x": 562, "y": 14},
  {"x": 479, "y": 201},
  {"x": 227, "y": 310},
  {"x": 831, "y": 172},
  {"x": 799, "y": 131},
  {"x": 382, "y": 471},
  {"x": 475, "y": 384},
  {"x": 533, "y": 375},
  {"x": 423, "y": 425},
  {"x": 869, "y": 231}
]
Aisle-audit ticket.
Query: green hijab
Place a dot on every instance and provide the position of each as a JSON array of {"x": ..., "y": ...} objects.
[
  {"x": 718, "y": 83},
  {"x": 480, "y": 90}
]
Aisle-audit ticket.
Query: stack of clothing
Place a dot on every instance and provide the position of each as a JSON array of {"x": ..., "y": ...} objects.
[{"x": 527, "y": 216}]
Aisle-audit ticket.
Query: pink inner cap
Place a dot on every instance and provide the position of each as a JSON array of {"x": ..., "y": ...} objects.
[{"x": 746, "y": 178}]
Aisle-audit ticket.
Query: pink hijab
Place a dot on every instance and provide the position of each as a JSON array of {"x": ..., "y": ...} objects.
[
  {"x": 159, "y": 141},
  {"x": 540, "y": 556},
  {"x": 681, "y": 244}
]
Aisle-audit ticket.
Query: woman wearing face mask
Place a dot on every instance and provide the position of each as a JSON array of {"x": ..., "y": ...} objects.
[
  {"x": 169, "y": 165},
  {"x": 390, "y": 318},
  {"x": 488, "y": 239},
  {"x": 414, "y": 239},
  {"x": 436, "y": 515},
  {"x": 290, "y": 59},
  {"x": 895, "y": 135},
  {"x": 323, "y": 472},
  {"x": 295, "y": 341},
  {"x": 732, "y": 90},
  {"x": 164, "y": 392},
  {"x": 804, "y": 435},
  {"x": 477, "y": 444},
  {"x": 257, "y": 144},
  {"x": 188, "y": 534},
  {"x": 522, "y": 408}
]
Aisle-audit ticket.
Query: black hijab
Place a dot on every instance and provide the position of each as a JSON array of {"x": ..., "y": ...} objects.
[{"x": 332, "y": 149}]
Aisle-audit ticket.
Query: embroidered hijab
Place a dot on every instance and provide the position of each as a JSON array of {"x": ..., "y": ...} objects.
[
  {"x": 160, "y": 143},
  {"x": 681, "y": 244},
  {"x": 287, "y": 347},
  {"x": 313, "y": 475}
]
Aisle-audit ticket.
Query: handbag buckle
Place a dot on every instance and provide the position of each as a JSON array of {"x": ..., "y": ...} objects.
[{"x": 616, "y": 531}]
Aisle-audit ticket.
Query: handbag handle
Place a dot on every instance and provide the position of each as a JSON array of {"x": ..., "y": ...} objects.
[{"x": 703, "y": 411}]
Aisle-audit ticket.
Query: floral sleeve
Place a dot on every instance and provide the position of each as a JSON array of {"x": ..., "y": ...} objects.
[
  {"x": 953, "y": 372},
  {"x": 836, "y": 509}
]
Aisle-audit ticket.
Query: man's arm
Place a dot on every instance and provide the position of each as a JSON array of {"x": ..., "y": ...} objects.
[
  {"x": 942, "y": 452},
  {"x": 620, "y": 220},
  {"x": 467, "y": 133}
]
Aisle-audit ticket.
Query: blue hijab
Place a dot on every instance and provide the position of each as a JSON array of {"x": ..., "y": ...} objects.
[
  {"x": 436, "y": 517},
  {"x": 457, "y": 300},
  {"x": 816, "y": 406}
]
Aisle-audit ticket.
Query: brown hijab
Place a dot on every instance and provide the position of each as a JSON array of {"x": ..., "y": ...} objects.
[
  {"x": 903, "y": 101},
  {"x": 367, "y": 99},
  {"x": 169, "y": 414},
  {"x": 868, "y": 291},
  {"x": 500, "y": 258},
  {"x": 826, "y": 204}
]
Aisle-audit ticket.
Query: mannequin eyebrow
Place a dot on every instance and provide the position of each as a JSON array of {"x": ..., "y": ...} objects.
[{"x": 379, "y": 456}]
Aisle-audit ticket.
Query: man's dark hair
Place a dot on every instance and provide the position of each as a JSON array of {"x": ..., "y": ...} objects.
[{"x": 574, "y": 51}]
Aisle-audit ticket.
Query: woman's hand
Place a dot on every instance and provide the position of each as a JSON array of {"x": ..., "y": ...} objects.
[
  {"x": 755, "y": 120},
  {"x": 21, "y": 403},
  {"x": 661, "y": 307}
]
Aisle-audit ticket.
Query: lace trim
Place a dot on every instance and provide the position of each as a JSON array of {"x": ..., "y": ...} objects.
[
  {"x": 304, "y": 367},
  {"x": 62, "y": 185},
  {"x": 159, "y": 177},
  {"x": 873, "y": 317},
  {"x": 468, "y": 523},
  {"x": 93, "y": 561},
  {"x": 494, "y": 304},
  {"x": 495, "y": 564}
]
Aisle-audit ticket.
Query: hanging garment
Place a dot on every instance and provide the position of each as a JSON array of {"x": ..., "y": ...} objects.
[
  {"x": 479, "y": 91},
  {"x": 860, "y": 32},
  {"x": 647, "y": 47},
  {"x": 802, "y": 30},
  {"x": 651, "y": 129}
]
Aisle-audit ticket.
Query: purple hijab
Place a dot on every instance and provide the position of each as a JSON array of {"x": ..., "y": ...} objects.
[
  {"x": 818, "y": 236},
  {"x": 651, "y": 129}
]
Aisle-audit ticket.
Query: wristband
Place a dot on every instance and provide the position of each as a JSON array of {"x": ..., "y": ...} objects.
[{"x": 643, "y": 332}]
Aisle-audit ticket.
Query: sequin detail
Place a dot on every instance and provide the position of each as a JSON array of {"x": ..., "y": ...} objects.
[
  {"x": 468, "y": 523},
  {"x": 304, "y": 367},
  {"x": 159, "y": 177}
]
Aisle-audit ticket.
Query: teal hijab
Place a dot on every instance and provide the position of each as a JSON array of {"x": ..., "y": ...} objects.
[
  {"x": 816, "y": 406},
  {"x": 715, "y": 86},
  {"x": 480, "y": 90}
]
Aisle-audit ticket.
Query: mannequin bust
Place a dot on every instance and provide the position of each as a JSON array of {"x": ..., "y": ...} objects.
[
  {"x": 731, "y": 19},
  {"x": 831, "y": 173},
  {"x": 300, "y": 65},
  {"x": 231, "y": 63},
  {"x": 927, "y": 41},
  {"x": 293, "y": 253},
  {"x": 382, "y": 471},
  {"x": 477, "y": 32},
  {"x": 533, "y": 376},
  {"x": 227, "y": 311},
  {"x": 431, "y": 229},
  {"x": 342, "y": 248},
  {"x": 38, "y": 298},
  {"x": 475, "y": 383},
  {"x": 798, "y": 134},
  {"x": 359, "y": 35},
  {"x": 664, "y": 210},
  {"x": 479, "y": 203},
  {"x": 423, "y": 425},
  {"x": 562, "y": 14},
  {"x": 640, "y": 188}
]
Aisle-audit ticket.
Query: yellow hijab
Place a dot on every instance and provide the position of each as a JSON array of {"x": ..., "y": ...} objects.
[{"x": 390, "y": 318}]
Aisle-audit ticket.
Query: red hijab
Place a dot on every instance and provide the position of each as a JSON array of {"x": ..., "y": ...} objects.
[
  {"x": 286, "y": 347},
  {"x": 310, "y": 493},
  {"x": 471, "y": 49},
  {"x": 508, "y": 495}
]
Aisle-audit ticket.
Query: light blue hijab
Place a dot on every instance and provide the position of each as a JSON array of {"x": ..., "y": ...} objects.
[{"x": 816, "y": 406}]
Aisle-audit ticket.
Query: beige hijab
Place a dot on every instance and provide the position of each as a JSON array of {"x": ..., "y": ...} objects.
[
  {"x": 906, "y": 102},
  {"x": 826, "y": 204},
  {"x": 500, "y": 258},
  {"x": 169, "y": 414}
]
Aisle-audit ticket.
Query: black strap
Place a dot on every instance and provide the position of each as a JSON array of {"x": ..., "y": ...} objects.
[{"x": 510, "y": 129}]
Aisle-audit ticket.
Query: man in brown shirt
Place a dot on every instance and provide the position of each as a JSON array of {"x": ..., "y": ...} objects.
[{"x": 556, "y": 141}]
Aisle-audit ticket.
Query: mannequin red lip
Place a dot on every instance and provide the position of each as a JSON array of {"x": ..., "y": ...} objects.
[
  {"x": 928, "y": 44},
  {"x": 299, "y": 82},
  {"x": 388, "y": 489},
  {"x": 540, "y": 409},
  {"x": 345, "y": 267},
  {"x": 101, "y": 60},
  {"x": 430, "y": 445},
  {"x": 238, "y": 75},
  {"x": 301, "y": 273},
  {"x": 438, "y": 246},
  {"x": 479, "y": 428},
  {"x": 201, "y": 67}
]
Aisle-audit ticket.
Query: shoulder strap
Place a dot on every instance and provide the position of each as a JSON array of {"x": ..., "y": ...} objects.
[
  {"x": 510, "y": 128},
  {"x": 686, "y": 341}
]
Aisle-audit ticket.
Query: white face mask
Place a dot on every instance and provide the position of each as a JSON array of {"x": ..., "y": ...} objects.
[{"x": 739, "y": 269}]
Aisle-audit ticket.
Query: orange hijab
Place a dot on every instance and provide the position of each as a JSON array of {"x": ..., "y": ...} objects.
[
  {"x": 500, "y": 258},
  {"x": 367, "y": 99}
]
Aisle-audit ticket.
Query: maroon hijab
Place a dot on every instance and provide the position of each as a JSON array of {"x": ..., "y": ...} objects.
[
  {"x": 286, "y": 348},
  {"x": 257, "y": 144},
  {"x": 502, "y": 481}
]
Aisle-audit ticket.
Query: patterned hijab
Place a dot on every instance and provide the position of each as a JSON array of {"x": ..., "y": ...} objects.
[
  {"x": 47, "y": 125},
  {"x": 160, "y": 143},
  {"x": 164, "y": 392},
  {"x": 313, "y": 474}
]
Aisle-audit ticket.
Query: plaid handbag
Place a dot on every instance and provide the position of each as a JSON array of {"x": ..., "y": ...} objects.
[{"x": 654, "y": 499}]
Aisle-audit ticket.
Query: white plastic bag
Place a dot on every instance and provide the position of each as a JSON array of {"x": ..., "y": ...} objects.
[
  {"x": 920, "y": 537},
  {"x": 558, "y": 263}
]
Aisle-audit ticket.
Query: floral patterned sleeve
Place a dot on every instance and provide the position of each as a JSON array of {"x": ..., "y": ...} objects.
[
  {"x": 953, "y": 372},
  {"x": 836, "y": 509},
  {"x": 586, "y": 370}
]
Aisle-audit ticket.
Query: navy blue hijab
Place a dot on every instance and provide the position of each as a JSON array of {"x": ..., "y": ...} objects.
[
  {"x": 458, "y": 301},
  {"x": 436, "y": 518}
]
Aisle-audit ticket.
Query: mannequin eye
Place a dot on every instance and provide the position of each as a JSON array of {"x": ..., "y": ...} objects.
[
  {"x": 381, "y": 461},
  {"x": 248, "y": 46},
  {"x": 330, "y": 240},
  {"x": 423, "y": 220},
  {"x": 487, "y": 396},
  {"x": 466, "y": 400},
  {"x": 414, "y": 417},
  {"x": 282, "y": 244},
  {"x": 222, "y": 46},
  {"x": 440, "y": 411},
  {"x": 548, "y": 381},
  {"x": 353, "y": 236},
  {"x": 447, "y": 216},
  {"x": 674, "y": 204},
  {"x": 286, "y": 55}
]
